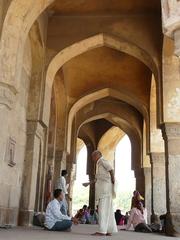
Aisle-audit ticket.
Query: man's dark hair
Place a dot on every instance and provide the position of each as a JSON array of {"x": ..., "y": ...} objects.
[
  {"x": 64, "y": 172},
  {"x": 57, "y": 193}
]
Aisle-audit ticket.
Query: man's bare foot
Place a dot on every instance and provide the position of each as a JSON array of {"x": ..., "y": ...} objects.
[
  {"x": 98, "y": 234},
  {"x": 108, "y": 234}
]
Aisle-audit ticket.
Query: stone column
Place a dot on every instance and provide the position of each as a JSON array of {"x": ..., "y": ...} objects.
[
  {"x": 60, "y": 163},
  {"x": 140, "y": 181},
  {"x": 91, "y": 173},
  {"x": 35, "y": 139},
  {"x": 147, "y": 175},
  {"x": 171, "y": 135},
  {"x": 70, "y": 167},
  {"x": 158, "y": 185},
  {"x": 92, "y": 193}
]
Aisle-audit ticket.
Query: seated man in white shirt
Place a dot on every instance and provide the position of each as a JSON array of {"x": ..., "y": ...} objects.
[
  {"x": 138, "y": 218},
  {"x": 54, "y": 219},
  {"x": 61, "y": 184}
]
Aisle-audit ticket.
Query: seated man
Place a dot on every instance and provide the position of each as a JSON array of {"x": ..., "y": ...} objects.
[
  {"x": 54, "y": 219},
  {"x": 137, "y": 219}
]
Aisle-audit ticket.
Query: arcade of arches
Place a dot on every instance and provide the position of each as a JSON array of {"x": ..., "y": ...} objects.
[{"x": 78, "y": 69}]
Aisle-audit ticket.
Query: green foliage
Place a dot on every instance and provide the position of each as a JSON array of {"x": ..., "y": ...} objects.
[
  {"x": 123, "y": 201},
  {"x": 81, "y": 197}
]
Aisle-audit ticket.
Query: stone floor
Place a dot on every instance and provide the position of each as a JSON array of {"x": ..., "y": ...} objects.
[{"x": 80, "y": 232}]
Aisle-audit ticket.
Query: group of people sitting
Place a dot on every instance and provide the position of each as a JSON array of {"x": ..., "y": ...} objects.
[
  {"x": 57, "y": 218},
  {"x": 86, "y": 215}
]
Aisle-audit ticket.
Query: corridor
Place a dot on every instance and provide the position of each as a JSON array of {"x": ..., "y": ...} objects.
[{"x": 80, "y": 232}]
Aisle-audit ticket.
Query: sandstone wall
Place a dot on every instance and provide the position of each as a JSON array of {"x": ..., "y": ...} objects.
[
  {"x": 13, "y": 118},
  {"x": 14, "y": 126}
]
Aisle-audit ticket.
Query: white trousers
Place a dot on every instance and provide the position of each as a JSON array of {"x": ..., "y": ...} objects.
[{"x": 107, "y": 222}]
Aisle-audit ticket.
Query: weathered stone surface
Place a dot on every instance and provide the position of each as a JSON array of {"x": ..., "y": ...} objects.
[
  {"x": 171, "y": 134},
  {"x": 158, "y": 184},
  {"x": 148, "y": 191}
]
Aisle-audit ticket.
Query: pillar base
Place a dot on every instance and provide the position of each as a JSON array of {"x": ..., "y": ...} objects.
[
  {"x": 26, "y": 217},
  {"x": 173, "y": 224},
  {"x": 155, "y": 218},
  {"x": 8, "y": 216}
]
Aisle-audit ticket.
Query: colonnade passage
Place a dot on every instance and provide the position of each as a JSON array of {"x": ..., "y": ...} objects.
[{"x": 91, "y": 71}]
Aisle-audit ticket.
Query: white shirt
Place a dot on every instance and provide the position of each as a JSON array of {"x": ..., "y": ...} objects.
[
  {"x": 104, "y": 186},
  {"x": 61, "y": 184},
  {"x": 136, "y": 217},
  {"x": 53, "y": 214}
]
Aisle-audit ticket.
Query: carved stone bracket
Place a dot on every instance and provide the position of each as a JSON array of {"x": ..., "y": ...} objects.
[
  {"x": 171, "y": 130},
  {"x": 158, "y": 159},
  {"x": 7, "y": 95},
  {"x": 171, "y": 22},
  {"x": 170, "y": 16}
]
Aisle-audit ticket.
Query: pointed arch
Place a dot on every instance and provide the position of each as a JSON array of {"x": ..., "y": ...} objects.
[
  {"x": 94, "y": 96},
  {"x": 18, "y": 21},
  {"x": 99, "y": 40}
]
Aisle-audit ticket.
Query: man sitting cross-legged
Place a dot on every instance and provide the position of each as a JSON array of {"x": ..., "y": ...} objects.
[{"x": 54, "y": 219}]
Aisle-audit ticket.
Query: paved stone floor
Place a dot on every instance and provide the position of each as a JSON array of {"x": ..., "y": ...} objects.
[{"x": 80, "y": 232}]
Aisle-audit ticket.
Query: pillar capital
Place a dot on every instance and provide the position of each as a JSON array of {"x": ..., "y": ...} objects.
[
  {"x": 171, "y": 21},
  {"x": 157, "y": 158},
  {"x": 171, "y": 131},
  {"x": 170, "y": 16}
]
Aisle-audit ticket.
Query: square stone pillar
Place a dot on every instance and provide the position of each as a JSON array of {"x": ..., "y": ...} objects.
[
  {"x": 171, "y": 135},
  {"x": 140, "y": 181},
  {"x": 60, "y": 163},
  {"x": 158, "y": 185},
  {"x": 91, "y": 171},
  {"x": 33, "y": 159},
  {"x": 147, "y": 175}
]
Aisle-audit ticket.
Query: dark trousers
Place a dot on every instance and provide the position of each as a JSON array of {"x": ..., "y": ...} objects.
[
  {"x": 143, "y": 227},
  {"x": 62, "y": 225}
]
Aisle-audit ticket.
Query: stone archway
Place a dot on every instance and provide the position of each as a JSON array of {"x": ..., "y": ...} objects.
[
  {"x": 85, "y": 45},
  {"x": 18, "y": 21},
  {"x": 108, "y": 142},
  {"x": 99, "y": 95},
  {"x": 126, "y": 127},
  {"x": 135, "y": 142}
]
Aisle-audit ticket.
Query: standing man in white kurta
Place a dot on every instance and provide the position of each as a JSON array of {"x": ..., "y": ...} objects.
[{"x": 104, "y": 187}]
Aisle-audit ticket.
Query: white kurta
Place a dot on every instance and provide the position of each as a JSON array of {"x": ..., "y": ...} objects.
[{"x": 104, "y": 196}]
